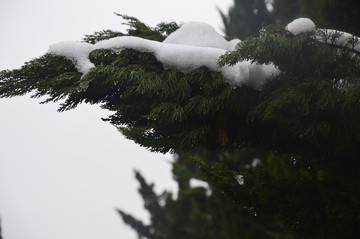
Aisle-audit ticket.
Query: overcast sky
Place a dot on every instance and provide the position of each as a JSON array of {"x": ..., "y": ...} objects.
[{"x": 62, "y": 174}]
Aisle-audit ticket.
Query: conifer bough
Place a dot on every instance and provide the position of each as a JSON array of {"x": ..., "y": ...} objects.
[{"x": 178, "y": 88}]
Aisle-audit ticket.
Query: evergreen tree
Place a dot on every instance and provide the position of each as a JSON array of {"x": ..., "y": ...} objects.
[
  {"x": 334, "y": 14},
  {"x": 284, "y": 11},
  {"x": 320, "y": 184},
  {"x": 328, "y": 14},
  {"x": 197, "y": 212},
  {"x": 246, "y": 18},
  {"x": 305, "y": 120}
]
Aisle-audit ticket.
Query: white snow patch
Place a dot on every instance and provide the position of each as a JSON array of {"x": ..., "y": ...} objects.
[
  {"x": 240, "y": 179},
  {"x": 186, "y": 49},
  {"x": 195, "y": 183},
  {"x": 269, "y": 5},
  {"x": 77, "y": 52},
  {"x": 233, "y": 43},
  {"x": 327, "y": 36},
  {"x": 255, "y": 162},
  {"x": 200, "y": 34},
  {"x": 300, "y": 25},
  {"x": 339, "y": 38},
  {"x": 182, "y": 57}
]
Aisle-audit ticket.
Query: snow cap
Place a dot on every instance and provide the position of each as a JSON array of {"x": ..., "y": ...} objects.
[
  {"x": 200, "y": 34},
  {"x": 193, "y": 45},
  {"x": 240, "y": 179},
  {"x": 300, "y": 25},
  {"x": 195, "y": 183},
  {"x": 77, "y": 52}
]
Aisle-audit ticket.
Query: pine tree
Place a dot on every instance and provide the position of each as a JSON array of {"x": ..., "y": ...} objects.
[
  {"x": 335, "y": 14},
  {"x": 305, "y": 119},
  {"x": 197, "y": 212},
  {"x": 246, "y": 18},
  {"x": 313, "y": 188}
]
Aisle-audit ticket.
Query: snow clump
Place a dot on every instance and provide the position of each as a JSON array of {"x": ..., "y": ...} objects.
[
  {"x": 240, "y": 179},
  {"x": 327, "y": 36},
  {"x": 200, "y": 34},
  {"x": 77, "y": 52},
  {"x": 192, "y": 46},
  {"x": 339, "y": 38},
  {"x": 300, "y": 25},
  {"x": 195, "y": 183}
]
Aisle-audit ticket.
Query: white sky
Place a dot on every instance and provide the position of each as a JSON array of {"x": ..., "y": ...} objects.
[{"x": 62, "y": 174}]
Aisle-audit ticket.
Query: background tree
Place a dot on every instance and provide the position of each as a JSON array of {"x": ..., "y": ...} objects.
[
  {"x": 335, "y": 14},
  {"x": 246, "y": 17},
  {"x": 198, "y": 211},
  {"x": 328, "y": 14}
]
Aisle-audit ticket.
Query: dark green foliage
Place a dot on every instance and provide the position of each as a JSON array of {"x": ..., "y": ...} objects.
[
  {"x": 334, "y": 14},
  {"x": 310, "y": 182},
  {"x": 284, "y": 11},
  {"x": 302, "y": 110},
  {"x": 317, "y": 201},
  {"x": 138, "y": 28},
  {"x": 138, "y": 226},
  {"x": 247, "y": 17},
  {"x": 101, "y": 35},
  {"x": 196, "y": 214},
  {"x": 305, "y": 104},
  {"x": 48, "y": 75}
]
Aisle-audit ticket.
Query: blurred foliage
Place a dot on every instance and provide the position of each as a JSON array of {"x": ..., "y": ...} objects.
[
  {"x": 197, "y": 212},
  {"x": 247, "y": 17}
]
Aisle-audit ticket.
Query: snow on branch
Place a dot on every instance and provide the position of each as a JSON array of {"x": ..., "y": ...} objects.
[
  {"x": 197, "y": 44},
  {"x": 193, "y": 45},
  {"x": 328, "y": 36},
  {"x": 77, "y": 52}
]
